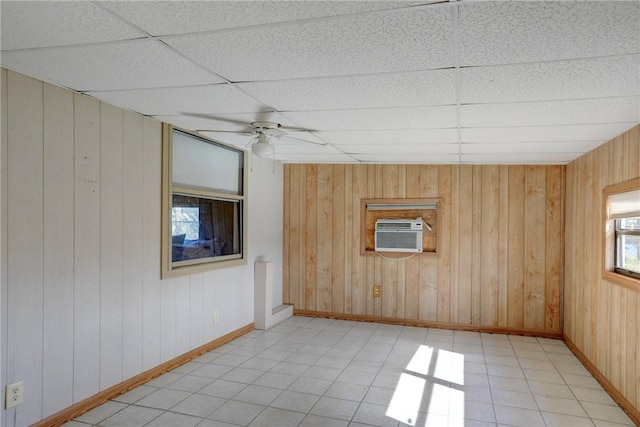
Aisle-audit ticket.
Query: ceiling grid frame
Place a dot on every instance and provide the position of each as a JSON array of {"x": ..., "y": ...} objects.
[{"x": 515, "y": 87}]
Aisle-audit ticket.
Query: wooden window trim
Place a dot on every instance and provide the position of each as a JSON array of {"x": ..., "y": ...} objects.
[
  {"x": 608, "y": 239},
  {"x": 409, "y": 214}
]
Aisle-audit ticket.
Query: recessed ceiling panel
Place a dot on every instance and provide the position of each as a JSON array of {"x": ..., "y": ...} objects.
[
  {"x": 368, "y": 91},
  {"x": 314, "y": 158},
  {"x": 401, "y": 149},
  {"x": 596, "y": 132},
  {"x": 125, "y": 65},
  {"x": 403, "y": 40},
  {"x": 28, "y": 24},
  {"x": 398, "y": 136},
  {"x": 609, "y": 110},
  {"x": 519, "y": 159},
  {"x": 530, "y": 147},
  {"x": 576, "y": 79},
  {"x": 211, "y": 99},
  {"x": 513, "y": 32},
  {"x": 290, "y": 147},
  {"x": 423, "y": 158},
  {"x": 383, "y": 118},
  {"x": 179, "y": 17}
]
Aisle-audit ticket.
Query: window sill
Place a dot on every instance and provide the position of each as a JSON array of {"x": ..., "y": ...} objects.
[{"x": 622, "y": 280}]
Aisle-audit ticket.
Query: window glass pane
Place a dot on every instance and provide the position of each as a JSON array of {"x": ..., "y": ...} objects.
[
  {"x": 630, "y": 256},
  {"x": 205, "y": 227},
  {"x": 197, "y": 163}
]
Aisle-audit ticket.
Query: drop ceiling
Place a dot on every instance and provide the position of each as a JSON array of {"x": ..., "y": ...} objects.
[{"x": 455, "y": 82}]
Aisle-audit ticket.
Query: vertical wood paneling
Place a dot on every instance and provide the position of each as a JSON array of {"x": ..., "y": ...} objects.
[
  {"x": 87, "y": 248},
  {"x": 310, "y": 228},
  {"x": 196, "y": 310},
  {"x": 465, "y": 215},
  {"x": 349, "y": 241},
  {"x": 324, "y": 238},
  {"x": 337, "y": 238},
  {"x": 534, "y": 230},
  {"x": 57, "y": 386},
  {"x": 600, "y": 317},
  {"x": 132, "y": 252},
  {"x": 478, "y": 276},
  {"x": 288, "y": 233},
  {"x": 476, "y": 245},
  {"x": 503, "y": 247},
  {"x": 25, "y": 238},
  {"x": 428, "y": 266},
  {"x": 489, "y": 239},
  {"x": 454, "y": 246},
  {"x": 182, "y": 314},
  {"x": 515, "y": 258},
  {"x": 388, "y": 276},
  {"x": 151, "y": 286},
  {"x": 444, "y": 249},
  {"x": 412, "y": 273},
  {"x": 359, "y": 275},
  {"x": 4, "y": 138},
  {"x": 111, "y": 240},
  {"x": 554, "y": 246},
  {"x": 80, "y": 249}
]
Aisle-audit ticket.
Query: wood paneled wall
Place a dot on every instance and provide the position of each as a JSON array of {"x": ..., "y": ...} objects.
[
  {"x": 601, "y": 318},
  {"x": 82, "y": 303},
  {"x": 499, "y": 263}
]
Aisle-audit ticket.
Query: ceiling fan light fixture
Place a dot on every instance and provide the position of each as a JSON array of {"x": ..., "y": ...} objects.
[{"x": 263, "y": 147}]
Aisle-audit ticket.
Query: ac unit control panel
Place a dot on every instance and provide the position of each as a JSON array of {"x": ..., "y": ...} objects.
[{"x": 399, "y": 224}]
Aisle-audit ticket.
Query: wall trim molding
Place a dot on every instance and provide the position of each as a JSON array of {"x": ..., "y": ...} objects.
[
  {"x": 426, "y": 324},
  {"x": 91, "y": 402},
  {"x": 618, "y": 397}
]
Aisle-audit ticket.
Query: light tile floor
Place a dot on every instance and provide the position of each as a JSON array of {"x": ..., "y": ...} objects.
[{"x": 322, "y": 372}]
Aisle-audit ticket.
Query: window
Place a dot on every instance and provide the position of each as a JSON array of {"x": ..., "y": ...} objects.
[
  {"x": 204, "y": 204},
  {"x": 627, "y": 246},
  {"x": 622, "y": 233}
]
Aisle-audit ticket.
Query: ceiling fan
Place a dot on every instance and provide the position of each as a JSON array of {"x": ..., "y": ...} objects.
[{"x": 263, "y": 132}]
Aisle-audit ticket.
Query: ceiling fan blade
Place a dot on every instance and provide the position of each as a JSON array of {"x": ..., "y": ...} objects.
[
  {"x": 217, "y": 118},
  {"x": 323, "y": 144},
  {"x": 296, "y": 129}
]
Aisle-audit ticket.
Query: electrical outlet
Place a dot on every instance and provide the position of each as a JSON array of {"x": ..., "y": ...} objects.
[
  {"x": 377, "y": 289},
  {"x": 14, "y": 394},
  {"x": 216, "y": 315}
]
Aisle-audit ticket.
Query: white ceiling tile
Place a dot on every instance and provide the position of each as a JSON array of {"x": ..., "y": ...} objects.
[
  {"x": 59, "y": 23},
  {"x": 384, "y": 118},
  {"x": 610, "y": 110},
  {"x": 198, "y": 16},
  {"x": 314, "y": 158},
  {"x": 383, "y": 136},
  {"x": 530, "y": 147},
  {"x": 212, "y": 99},
  {"x": 405, "y": 40},
  {"x": 303, "y": 148},
  {"x": 125, "y": 65},
  {"x": 512, "y": 32},
  {"x": 424, "y": 158},
  {"x": 596, "y": 132},
  {"x": 370, "y": 91},
  {"x": 519, "y": 159},
  {"x": 401, "y": 149},
  {"x": 584, "y": 78}
]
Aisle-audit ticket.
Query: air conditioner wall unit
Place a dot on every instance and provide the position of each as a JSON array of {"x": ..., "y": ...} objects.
[{"x": 398, "y": 235}]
